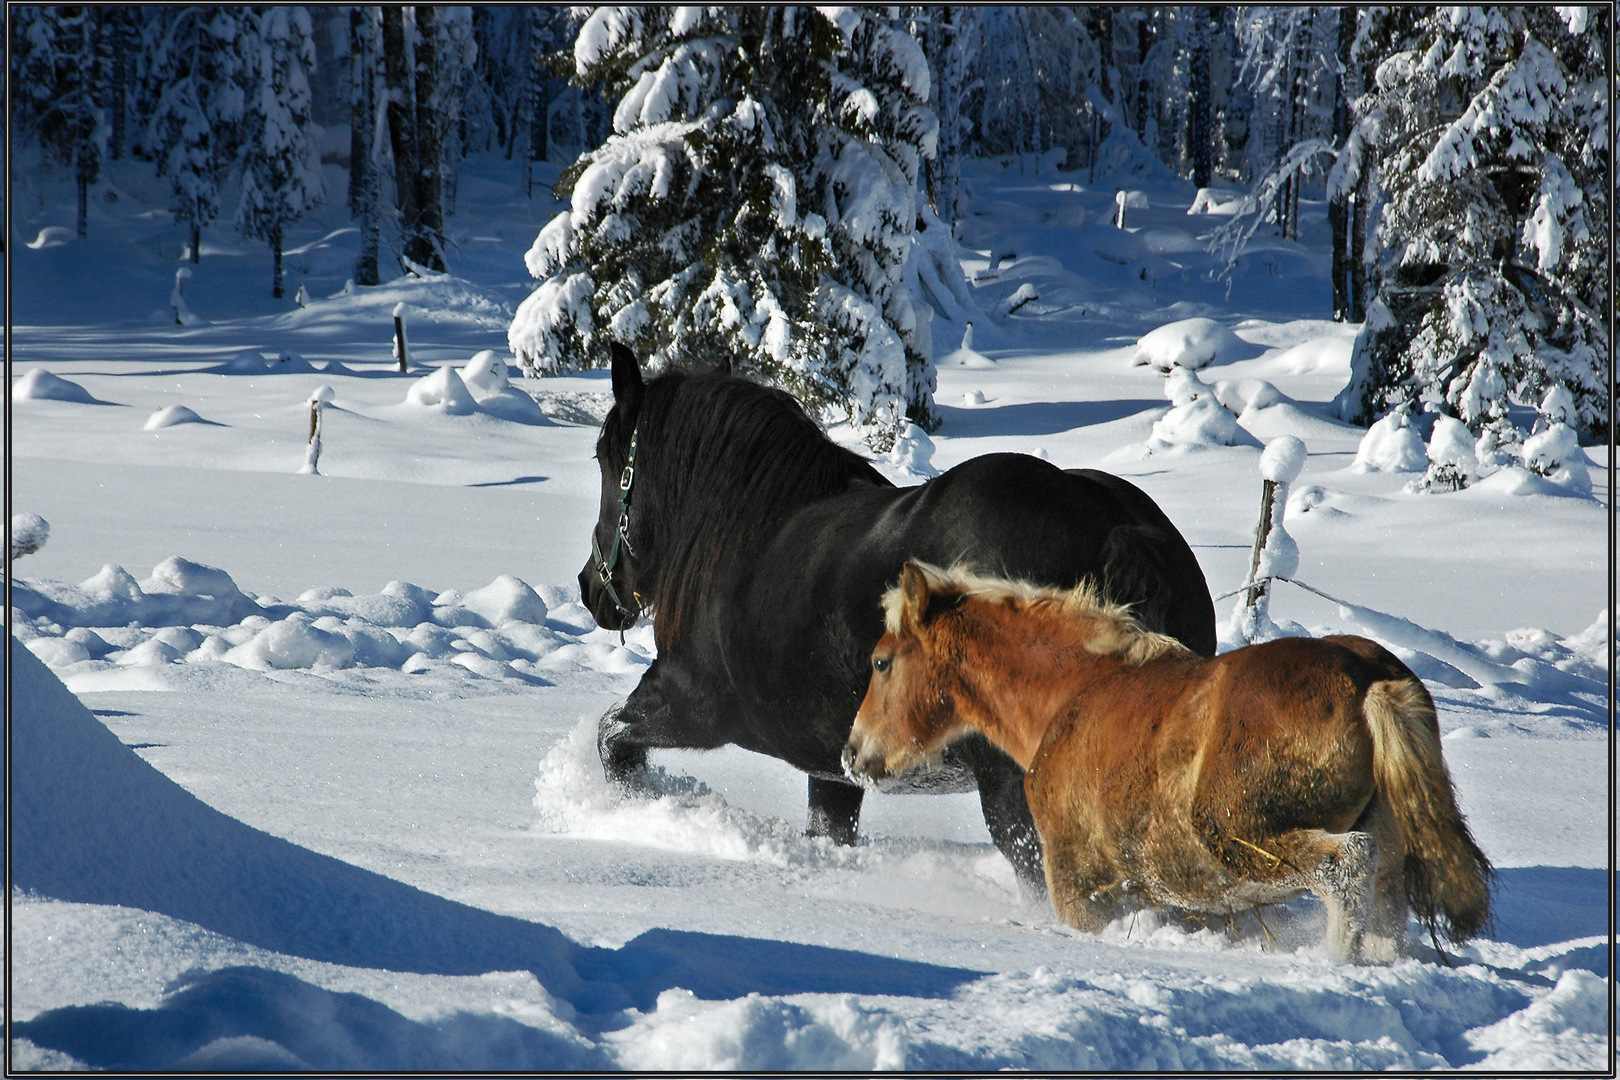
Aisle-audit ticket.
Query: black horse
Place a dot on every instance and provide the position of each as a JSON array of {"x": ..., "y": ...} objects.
[{"x": 761, "y": 548}]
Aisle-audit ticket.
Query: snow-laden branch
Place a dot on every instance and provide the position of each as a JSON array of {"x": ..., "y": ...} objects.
[{"x": 1231, "y": 238}]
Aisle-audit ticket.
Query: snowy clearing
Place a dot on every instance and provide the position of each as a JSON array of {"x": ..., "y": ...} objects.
[{"x": 322, "y": 747}]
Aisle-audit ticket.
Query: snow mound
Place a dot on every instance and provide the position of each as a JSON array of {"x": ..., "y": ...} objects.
[
  {"x": 170, "y": 417},
  {"x": 1391, "y": 445},
  {"x": 485, "y": 375},
  {"x": 685, "y": 1033},
  {"x": 1556, "y": 1032},
  {"x": 293, "y": 642},
  {"x": 246, "y": 362},
  {"x": 506, "y": 600},
  {"x": 966, "y": 355},
  {"x": 28, "y": 534},
  {"x": 443, "y": 392},
  {"x": 1197, "y": 420},
  {"x": 1515, "y": 480},
  {"x": 192, "y": 614},
  {"x": 1187, "y": 343},
  {"x": 1556, "y": 454},
  {"x": 51, "y": 236},
  {"x": 912, "y": 453},
  {"x": 37, "y": 384}
]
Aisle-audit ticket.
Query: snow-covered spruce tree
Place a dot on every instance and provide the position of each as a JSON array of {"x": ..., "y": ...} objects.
[
  {"x": 755, "y": 205},
  {"x": 1491, "y": 138},
  {"x": 280, "y": 163},
  {"x": 195, "y": 130},
  {"x": 56, "y": 73}
]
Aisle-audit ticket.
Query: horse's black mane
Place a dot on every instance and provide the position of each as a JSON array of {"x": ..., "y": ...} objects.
[{"x": 720, "y": 462}]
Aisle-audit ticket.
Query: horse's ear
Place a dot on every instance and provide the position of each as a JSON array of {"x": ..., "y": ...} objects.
[
  {"x": 724, "y": 366},
  {"x": 913, "y": 596},
  {"x": 627, "y": 384}
]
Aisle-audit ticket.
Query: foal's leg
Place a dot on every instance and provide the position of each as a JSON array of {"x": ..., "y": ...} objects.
[
  {"x": 1386, "y": 923},
  {"x": 1077, "y": 885},
  {"x": 1339, "y": 868}
]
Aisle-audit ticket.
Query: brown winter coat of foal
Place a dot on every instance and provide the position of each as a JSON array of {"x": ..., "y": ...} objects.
[{"x": 1158, "y": 776}]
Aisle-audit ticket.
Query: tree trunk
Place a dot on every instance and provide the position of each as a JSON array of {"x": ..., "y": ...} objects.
[
  {"x": 429, "y": 246},
  {"x": 1339, "y": 201},
  {"x": 1144, "y": 43},
  {"x": 196, "y": 236},
  {"x": 401, "y": 127},
  {"x": 86, "y": 154},
  {"x": 364, "y": 193},
  {"x": 275, "y": 253},
  {"x": 118, "y": 80},
  {"x": 1201, "y": 135},
  {"x": 1358, "y": 242},
  {"x": 539, "y": 102}
]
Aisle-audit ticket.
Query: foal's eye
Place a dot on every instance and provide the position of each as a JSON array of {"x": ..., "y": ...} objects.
[{"x": 880, "y": 665}]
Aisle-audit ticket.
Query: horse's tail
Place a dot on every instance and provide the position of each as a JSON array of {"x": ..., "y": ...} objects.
[{"x": 1444, "y": 870}]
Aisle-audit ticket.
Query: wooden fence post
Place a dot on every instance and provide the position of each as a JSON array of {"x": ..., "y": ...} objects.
[{"x": 399, "y": 335}]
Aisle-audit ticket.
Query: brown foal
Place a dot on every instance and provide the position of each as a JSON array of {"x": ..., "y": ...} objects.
[{"x": 1158, "y": 776}]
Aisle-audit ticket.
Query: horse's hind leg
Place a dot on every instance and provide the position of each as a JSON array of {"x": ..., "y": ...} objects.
[
  {"x": 1342, "y": 875},
  {"x": 1386, "y": 923},
  {"x": 835, "y": 810}
]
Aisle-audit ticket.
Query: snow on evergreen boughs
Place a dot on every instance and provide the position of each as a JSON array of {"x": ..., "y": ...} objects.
[
  {"x": 280, "y": 161},
  {"x": 195, "y": 131},
  {"x": 1491, "y": 131},
  {"x": 755, "y": 206}
]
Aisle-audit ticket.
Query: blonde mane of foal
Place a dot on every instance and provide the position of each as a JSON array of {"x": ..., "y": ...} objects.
[{"x": 1109, "y": 628}]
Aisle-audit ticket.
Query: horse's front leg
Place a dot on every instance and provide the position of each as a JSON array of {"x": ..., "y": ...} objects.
[
  {"x": 665, "y": 711},
  {"x": 835, "y": 810},
  {"x": 1006, "y": 810}
]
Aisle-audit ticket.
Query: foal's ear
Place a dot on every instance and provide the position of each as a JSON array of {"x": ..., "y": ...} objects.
[
  {"x": 627, "y": 384},
  {"x": 913, "y": 596}
]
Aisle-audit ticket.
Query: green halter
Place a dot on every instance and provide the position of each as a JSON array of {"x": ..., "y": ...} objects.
[{"x": 621, "y": 535}]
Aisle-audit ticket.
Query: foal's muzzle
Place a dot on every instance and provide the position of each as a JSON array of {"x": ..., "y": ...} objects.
[{"x": 862, "y": 766}]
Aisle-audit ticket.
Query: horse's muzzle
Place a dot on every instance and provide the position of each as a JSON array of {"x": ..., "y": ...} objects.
[{"x": 862, "y": 767}]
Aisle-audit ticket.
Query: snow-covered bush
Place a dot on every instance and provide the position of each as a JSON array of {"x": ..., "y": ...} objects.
[
  {"x": 443, "y": 391},
  {"x": 1453, "y": 462},
  {"x": 28, "y": 534},
  {"x": 755, "y": 205},
  {"x": 1196, "y": 418},
  {"x": 1490, "y": 131},
  {"x": 1391, "y": 445},
  {"x": 1556, "y": 454}
]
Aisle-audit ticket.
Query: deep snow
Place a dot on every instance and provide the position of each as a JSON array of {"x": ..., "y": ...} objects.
[{"x": 327, "y": 796}]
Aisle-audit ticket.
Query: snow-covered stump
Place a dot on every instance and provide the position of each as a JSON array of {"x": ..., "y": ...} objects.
[
  {"x": 177, "y": 298},
  {"x": 28, "y": 534},
  {"x": 1275, "y": 553},
  {"x": 399, "y": 335},
  {"x": 318, "y": 399}
]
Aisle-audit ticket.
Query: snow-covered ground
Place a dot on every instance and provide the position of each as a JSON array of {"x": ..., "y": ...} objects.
[{"x": 321, "y": 789}]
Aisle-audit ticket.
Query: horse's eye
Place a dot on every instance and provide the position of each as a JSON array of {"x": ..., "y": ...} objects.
[{"x": 880, "y": 665}]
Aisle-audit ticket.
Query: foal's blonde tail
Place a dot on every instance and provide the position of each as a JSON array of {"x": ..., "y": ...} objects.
[{"x": 1444, "y": 869}]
